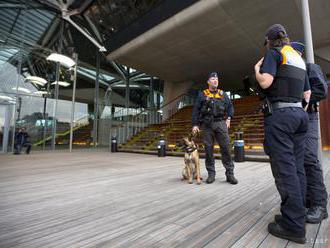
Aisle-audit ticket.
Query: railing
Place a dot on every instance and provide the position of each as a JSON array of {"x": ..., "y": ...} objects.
[
  {"x": 169, "y": 109},
  {"x": 79, "y": 123},
  {"x": 127, "y": 123}
]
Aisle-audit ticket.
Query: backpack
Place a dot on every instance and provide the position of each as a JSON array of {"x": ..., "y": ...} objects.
[{"x": 318, "y": 83}]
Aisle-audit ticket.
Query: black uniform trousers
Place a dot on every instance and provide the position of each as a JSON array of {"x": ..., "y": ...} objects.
[
  {"x": 316, "y": 194},
  {"x": 217, "y": 131},
  {"x": 285, "y": 133}
]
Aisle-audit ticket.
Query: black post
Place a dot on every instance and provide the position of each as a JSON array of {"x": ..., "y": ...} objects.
[
  {"x": 161, "y": 147},
  {"x": 239, "y": 155},
  {"x": 114, "y": 147}
]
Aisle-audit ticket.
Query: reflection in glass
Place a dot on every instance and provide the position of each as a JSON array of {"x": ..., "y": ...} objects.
[{"x": 112, "y": 17}]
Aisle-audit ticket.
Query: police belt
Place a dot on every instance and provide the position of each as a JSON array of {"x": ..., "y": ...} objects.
[{"x": 279, "y": 105}]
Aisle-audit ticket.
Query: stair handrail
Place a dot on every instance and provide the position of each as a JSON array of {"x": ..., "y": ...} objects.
[
  {"x": 154, "y": 108},
  {"x": 174, "y": 99},
  {"x": 36, "y": 143},
  {"x": 146, "y": 111},
  {"x": 133, "y": 123}
]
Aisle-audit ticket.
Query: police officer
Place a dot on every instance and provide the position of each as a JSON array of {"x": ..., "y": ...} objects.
[
  {"x": 282, "y": 75},
  {"x": 316, "y": 194},
  {"x": 209, "y": 110}
]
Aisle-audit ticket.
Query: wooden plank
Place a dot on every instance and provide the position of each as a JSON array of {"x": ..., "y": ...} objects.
[
  {"x": 88, "y": 199},
  {"x": 322, "y": 239},
  {"x": 271, "y": 241},
  {"x": 258, "y": 232},
  {"x": 312, "y": 230},
  {"x": 238, "y": 230},
  {"x": 215, "y": 224}
]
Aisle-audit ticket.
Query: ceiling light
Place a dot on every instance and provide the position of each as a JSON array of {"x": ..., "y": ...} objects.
[
  {"x": 36, "y": 80},
  {"x": 6, "y": 98},
  {"x": 40, "y": 92},
  {"x": 61, "y": 83},
  {"x": 22, "y": 89},
  {"x": 62, "y": 59}
]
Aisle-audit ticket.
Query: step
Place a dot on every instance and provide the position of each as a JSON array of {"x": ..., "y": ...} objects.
[{"x": 258, "y": 157}]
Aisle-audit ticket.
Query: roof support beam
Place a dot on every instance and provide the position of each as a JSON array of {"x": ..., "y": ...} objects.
[{"x": 68, "y": 19}]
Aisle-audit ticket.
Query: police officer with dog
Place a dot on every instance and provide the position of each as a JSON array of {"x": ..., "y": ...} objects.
[
  {"x": 316, "y": 194},
  {"x": 281, "y": 73},
  {"x": 210, "y": 110}
]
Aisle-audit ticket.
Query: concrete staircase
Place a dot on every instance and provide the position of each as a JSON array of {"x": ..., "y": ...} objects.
[{"x": 248, "y": 119}]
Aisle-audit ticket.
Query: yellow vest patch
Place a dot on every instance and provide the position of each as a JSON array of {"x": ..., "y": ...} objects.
[
  {"x": 217, "y": 95},
  {"x": 292, "y": 57}
]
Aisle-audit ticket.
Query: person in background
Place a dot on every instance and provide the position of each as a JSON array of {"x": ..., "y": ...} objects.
[
  {"x": 316, "y": 194},
  {"x": 21, "y": 140}
]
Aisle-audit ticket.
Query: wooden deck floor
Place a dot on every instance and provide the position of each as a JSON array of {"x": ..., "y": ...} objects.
[{"x": 98, "y": 199}]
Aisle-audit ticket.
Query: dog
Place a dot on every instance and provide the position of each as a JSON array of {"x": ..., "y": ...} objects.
[{"x": 191, "y": 161}]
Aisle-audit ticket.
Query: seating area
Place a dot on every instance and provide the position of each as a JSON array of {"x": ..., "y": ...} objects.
[{"x": 248, "y": 119}]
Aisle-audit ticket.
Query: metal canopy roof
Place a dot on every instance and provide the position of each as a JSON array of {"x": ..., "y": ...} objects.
[
  {"x": 21, "y": 21},
  {"x": 33, "y": 27}
]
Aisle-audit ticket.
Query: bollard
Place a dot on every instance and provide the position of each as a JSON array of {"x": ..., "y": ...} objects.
[
  {"x": 161, "y": 147},
  {"x": 114, "y": 144},
  {"x": 239, "y": 147}
]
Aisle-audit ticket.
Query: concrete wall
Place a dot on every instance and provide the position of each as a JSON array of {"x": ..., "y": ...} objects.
[{"x": 173, "y": 90}]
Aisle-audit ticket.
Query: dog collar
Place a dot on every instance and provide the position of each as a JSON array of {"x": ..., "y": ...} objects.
[{"x": 190, "y": 149}]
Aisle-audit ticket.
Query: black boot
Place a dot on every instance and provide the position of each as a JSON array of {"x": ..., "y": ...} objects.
[
  {"x": 316, "y": 214},
  {"x": 210, "y": 179},
  {"x": 278, "y": 218},
  {"x": 279, "y": 231},
  {"x": 231, "y": 179}
]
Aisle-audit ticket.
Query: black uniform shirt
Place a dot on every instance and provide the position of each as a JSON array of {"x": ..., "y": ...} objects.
[{"x": 229, "y": 109}]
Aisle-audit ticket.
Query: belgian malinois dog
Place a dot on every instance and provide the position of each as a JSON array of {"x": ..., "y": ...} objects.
[{"x": 191, "y": 160}]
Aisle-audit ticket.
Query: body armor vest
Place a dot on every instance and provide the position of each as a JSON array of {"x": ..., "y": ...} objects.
[
  {"x": 289, "y": 81},
  {"x": 213, "y": 106}
]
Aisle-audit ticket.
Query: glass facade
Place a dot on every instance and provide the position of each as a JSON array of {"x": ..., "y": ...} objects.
[
  {"x": 37, "y": 94},
  {"x": 113, "y": 16}
]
